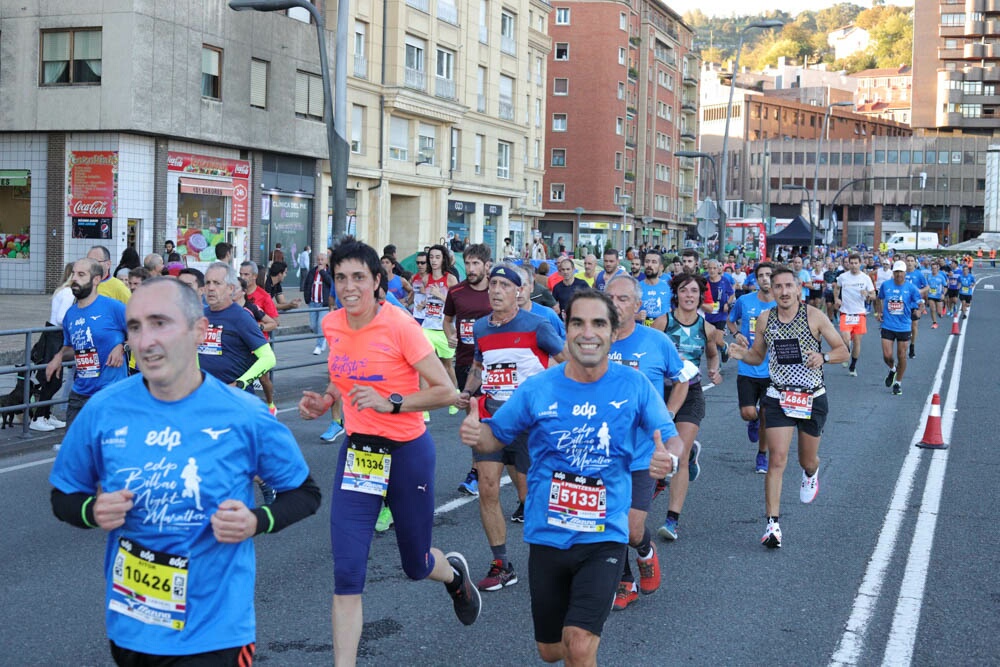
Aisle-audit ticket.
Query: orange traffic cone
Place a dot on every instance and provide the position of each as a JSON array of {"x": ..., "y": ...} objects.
[
  {"x": 932, "y": 432},
  {"x": 955, "y": 329}
]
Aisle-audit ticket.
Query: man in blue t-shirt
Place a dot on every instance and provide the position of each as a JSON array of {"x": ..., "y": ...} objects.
[
  {"x": 966, "y": 285},
  {"x": 655, "y": 287},
  {"x": 164, "y": 462},
  {"x": 612, "y": 268},
  {"x": 587, "y": 421},
  {"x": 954, "y": 276},
  {"x": 937, "y": 283},
  {"x": 752, "y": 381},
  {"x": 94, "y": 335},
  {"x": 900, "y": 299},
  {"x": 652, "y": 353},
  {"x": 915, "y": 277},
  {"x": 234, "y": 349}
]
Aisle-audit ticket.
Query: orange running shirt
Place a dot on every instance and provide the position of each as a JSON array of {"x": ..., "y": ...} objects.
[{"x": 382, "y": 355}]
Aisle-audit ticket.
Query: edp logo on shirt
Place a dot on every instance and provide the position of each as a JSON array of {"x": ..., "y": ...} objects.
[
  {"x": 168, "y": 438},
  {"x": 586, "y": 410}
]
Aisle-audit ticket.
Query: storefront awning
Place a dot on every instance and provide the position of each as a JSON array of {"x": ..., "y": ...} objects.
[{"x": 203, "y": 186}]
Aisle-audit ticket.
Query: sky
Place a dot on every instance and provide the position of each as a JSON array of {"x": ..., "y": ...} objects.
[{"x": 751, "y": 7}]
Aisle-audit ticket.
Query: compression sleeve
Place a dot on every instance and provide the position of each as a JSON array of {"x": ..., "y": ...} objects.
[
  {"x": 288, "y": 507},
  {"x": 76, "y": 509},
  {"x": 265, "y": 362}
]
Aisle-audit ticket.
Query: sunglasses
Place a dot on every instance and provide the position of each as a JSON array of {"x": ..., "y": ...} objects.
[{"x": 421, "y": 262}]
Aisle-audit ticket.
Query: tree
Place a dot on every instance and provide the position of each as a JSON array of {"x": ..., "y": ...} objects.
[
  {"x": 892, "y": 41},
  {"x": 838, "y": 16}
]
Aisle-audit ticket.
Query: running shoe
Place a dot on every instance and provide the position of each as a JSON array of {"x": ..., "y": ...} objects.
[
  {"x": 913, "y": 352},
  {"x": 934, "y": 326},
  {"x": 724, "y": 352},
  {"x": 772, "y": 536},
  {"x": 317, "y": 350},
  {"x": 625, "y": 595},
  {"x": 668, "y": 530},
  {"x": 693, "y": 468},
  {"x": 452, "y": 410},
  {"x": 661, "y": 485},
  {"x": 809, "y": 487},
  {"x": 41, "y": 424},
  {"x": 427, "y": 416},
  {"x": 332, "y": 433},
  {"x": 470, "y": 486},
  {"x": 498, "y": 577},
  {"x": 273, "y": 409},
  {"x": 845, "y": 364},
  {"x": 268, "y": 492},
  {"x": 467, "y": 601},
  {"x": 518, "y": 515},
  {"x": 964, "y": 316},
  {"x": 853, "y": 372},
  {"x": 753, "y": 431},
  {"x": 384, "y": 521},
  {"x": 649, "y": 572},
  {"x": 760, "y": 465},
  {"x": 890, "y": 378},
  {"x": 897, "y": 389}
]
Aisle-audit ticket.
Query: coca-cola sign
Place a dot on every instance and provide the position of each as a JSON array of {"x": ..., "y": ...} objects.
[
  {"x": 219, "y": 167},
  {"x": 92, "y": 186}
]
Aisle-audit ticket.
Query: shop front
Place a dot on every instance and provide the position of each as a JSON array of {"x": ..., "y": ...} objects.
[
  {"x": 15, "y": 214},
  {"x": 287, "y": 220},
  {"x": 492, "y": 216},
  {"x": 596, "y": 236},
  {"x": 213, "y": 205},
  {"x": 458, "y": 219}
]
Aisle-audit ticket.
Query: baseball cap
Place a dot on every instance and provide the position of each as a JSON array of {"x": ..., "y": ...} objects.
[
  {"x": 507, "y": 273},
  {"x": 899, "y": 266}
]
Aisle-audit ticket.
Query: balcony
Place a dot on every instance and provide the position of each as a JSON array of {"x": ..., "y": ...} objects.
[
  {"x": 360, "y": 67},
  {"x": 685, "y": 190},
  {"x": 685, "y": 162},
  {"x": 690, "y": 79},
  {"x": 629, "y": 177},
  {"x": 689, "y": 105},
  {"x": 688, "y": 134},
  {"x": 633, "y": 74},
  {"x": 506, "y": 109},
  {"x": 974, "y": 28},
  {"x": 444, "y": 88},
  {"x": 415, "y": 78}
]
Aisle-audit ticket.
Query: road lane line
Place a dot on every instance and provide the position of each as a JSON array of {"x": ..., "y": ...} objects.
[
  {"x": 852, "y": 641},
  {"x": 465, "y": 500},
  {"x": 906, "y": 620},
  {"x": 22, "y": 466}
]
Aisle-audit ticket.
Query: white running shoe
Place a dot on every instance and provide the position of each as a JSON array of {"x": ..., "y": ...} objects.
[
  {"x": 809, "y": 488},
  {"x": 41, "y": 424},
  {"x": 317, "y": 350},
  {"x": 55, "y": 422},
  {"x": 772, "y": 536}
]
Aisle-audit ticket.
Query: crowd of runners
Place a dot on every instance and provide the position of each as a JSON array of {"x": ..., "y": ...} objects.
[{"x": 584, "y": 382}]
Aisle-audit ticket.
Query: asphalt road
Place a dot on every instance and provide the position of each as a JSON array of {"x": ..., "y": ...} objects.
[{"x": 894, "y": 563}]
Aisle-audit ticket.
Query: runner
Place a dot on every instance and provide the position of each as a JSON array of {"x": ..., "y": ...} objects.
[
  {"x": 966, "y": 285},
  {"x": 656, "y": 294},
  {"x": 752, "y": 381},
  {"x": 937, "y": 283},
  {"x": 584, "y": 447},
  {"x": 954, "y": 284},
  {"x": 717, "y": 312},
  {"x": 435, "y": 290},
  {"x": 915, "y": 277},
  {"x": 654, "y": 355},
  {"x": 851, "y": 292},
  {"x": 569, "y": 284},
  {"x": 377, "y": 359},
  {"x": 789, "y": 337},
  {"x": 900, "y": 299},
  {"x": 467, "y": 302},
  {"x": 511, "y": 345},
  {"x": 198, "y": 534},
  {"x": 692, "y": 336},
  {"x": 611, "y": 269}
]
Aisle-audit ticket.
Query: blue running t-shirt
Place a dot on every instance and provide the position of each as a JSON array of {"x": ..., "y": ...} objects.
[
  {"x": 898, "y": 301},
  {"x": 746, "y": 310},
  {"x": 93, "y": 332}
]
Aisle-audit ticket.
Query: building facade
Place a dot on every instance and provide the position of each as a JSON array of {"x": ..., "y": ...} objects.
[
  {"x": 622, "y": 98},
  {"x": 885, "y": 93}
]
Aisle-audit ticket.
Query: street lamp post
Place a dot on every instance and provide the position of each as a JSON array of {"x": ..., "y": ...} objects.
[
  {"x": 819, "y": 151},
  {"x": 812, "y": 223},
  {"x": 920, "y": 213},
  {"x": 625, "y": 200},
  {"x": 715, "y": 179},
  {"x": 764, "y": 25},
  {"x": 336, "y": 119}
]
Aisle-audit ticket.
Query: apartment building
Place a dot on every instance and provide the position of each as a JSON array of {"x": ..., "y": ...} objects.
[
  {"x": 885, "y": 92},
  {"x": 956, "y": 70},
  {"x": 622, "y": 98}
]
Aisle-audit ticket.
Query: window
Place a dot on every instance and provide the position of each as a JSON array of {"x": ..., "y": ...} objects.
[
  {"x": 621, "y": 55},
  {"x": 557, "y": 192},
  {"x": 560, "y": 86},
  {"x": 506, "y": 109},
  {"x": 503, "y": 159},
  {"x": 562, "y": 15},
  {"x": 623, "y": 21},
  {"x": 618, "y": 161},
  {"x": 478, "y": 153},
  {"x": 308, "y": 95},
  {"x": 484, "y": 21},
  {"x": 211, "y": 73},
  {"x": 508, "y": 38},
  {"x": 399, "y": 139},
  {"x": 360, "y": 50},
  {"x": 71, "y": 56},
  {"x": 619, "y": 125},
  {"x": 536, "y": 154},
  {"x": 422, "y": 5},
  {"x": 445, "y": 81},
  {"x": 456, "y": 148},
  {"x": 357, "y": 127},
  {"x": 426, "y": 139},
  {"x": 953, "y": 19},
  {"x": 538, "y": 112},
  {"x": 414, "y": 74},
  {"x": 558, "y": 122},
  {"x": 258, "y": 83},
  {"x": 447, "y": 11},
  {"x": 621, "y": 90},
  {"x": 558, "y": 157},
  {"x": 561, "y": 51},
  {"x": 539, "y": 68},
  {"x": 481, "y": 90}
]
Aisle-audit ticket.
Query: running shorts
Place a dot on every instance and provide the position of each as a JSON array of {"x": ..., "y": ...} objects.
[
  {"x": 516, "y": 454},
  {"x": 238, "y": 656},
  {"x": 901, "y": 336},
  {"x": 440, "y": 342},
  {"x": 952, "y": 293},
  {"x": 965, "y": 298},
  {"x": 775, "y": 417},
  {"x": 643, "y": 486},
  {"x": 692, "y": 410},
  {"x": 751, "y": 390},
  {"x": 859, "y": 328}
]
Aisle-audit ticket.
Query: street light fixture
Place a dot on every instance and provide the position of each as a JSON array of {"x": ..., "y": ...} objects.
[
  {"x": 812, "y": 224},
  {"x": 425, "y": 156},
  {"x": 819, "y": 151},
  {"x": 336, "y": 123},
  {"x": 718, "y": 202},
  {"x": 763, "y": 25}
]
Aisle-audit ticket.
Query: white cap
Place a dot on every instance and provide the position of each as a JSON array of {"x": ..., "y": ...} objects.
[{"x": 899, "y": 266}]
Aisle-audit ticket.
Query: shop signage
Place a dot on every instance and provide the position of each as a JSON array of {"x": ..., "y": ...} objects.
[
  {"x": 455, "y": 206},
  {"x": 492, "y": 209},
  {"x": 238, "y": 171},
  {"x": 91, "y": 228},
  {"x": 92, "y": 186},
  {"x": 14, "y": 177}
]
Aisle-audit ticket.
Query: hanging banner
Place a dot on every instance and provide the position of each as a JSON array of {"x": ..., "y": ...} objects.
[
  {"x": 236, "y": 171},
  {"x": 92, "y": 186}
]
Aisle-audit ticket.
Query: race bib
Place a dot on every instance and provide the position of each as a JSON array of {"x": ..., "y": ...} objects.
[
  {"x": 500, "y": 380},
  {"x": 88, "y": 363},
  {"x": 852, "y": 319},
  {"x": 213, "y": 342},
  {"x": 753, "y": 329},
  {"x": 577, "y": 502},
  {"x": 149, "y": 586},
  {"x": 895, "y": 307},
  {"x": 797, "y": 404},
  {"x": 965, "y": 290},
  {"x": 434, "y": 309},
  {"x": 715, "y": 308},
  {"x": 366, "y": 470},
  {"x": 465, "y": 332},
  {"x": 933, "y": 291}
]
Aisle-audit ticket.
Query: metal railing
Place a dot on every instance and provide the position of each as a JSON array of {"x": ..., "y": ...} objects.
[{"x": 26, "y": 405}]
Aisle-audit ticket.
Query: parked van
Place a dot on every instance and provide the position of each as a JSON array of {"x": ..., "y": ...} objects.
[{"x": 908, "y": 241}]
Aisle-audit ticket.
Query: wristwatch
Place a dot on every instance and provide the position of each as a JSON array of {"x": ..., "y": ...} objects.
[
  {"x": 240, "y": 384},
  {"x": 826, "y": 358},
  {"x": 397, "y": 402}
]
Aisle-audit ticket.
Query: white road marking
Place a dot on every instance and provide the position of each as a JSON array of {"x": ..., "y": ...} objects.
[
  {"x": 22, "y": 466},
  {"x": 465, "y": 500}
]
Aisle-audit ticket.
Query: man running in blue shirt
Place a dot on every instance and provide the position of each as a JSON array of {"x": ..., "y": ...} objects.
[
  {"x": 900, "y": 299},
  {"x": 937, "y": 283},
  {"x": 966, "y": 285},
  {"x": 612, "y": 268},
  {"x": 915, "y": 277},
  {"x": 655, "y": 287}
]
